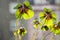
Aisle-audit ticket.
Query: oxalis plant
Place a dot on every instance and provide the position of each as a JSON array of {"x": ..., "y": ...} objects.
[
  {"x": 23, "y": 11},
  {"x": 47, "y": 21}
]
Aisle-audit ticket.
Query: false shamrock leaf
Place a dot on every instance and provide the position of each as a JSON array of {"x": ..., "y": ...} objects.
[
  {"x": 24, "y": 11},
  {"x": 56, "y": 28},
  {"x": 22, "y": 31},
  {"x": 47, "y": 13},
  {"x": 48, "y": 17},
  {"x": 36, "y": 23}
]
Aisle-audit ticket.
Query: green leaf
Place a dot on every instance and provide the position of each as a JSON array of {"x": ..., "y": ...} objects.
[
  {"x": 18, "y": 14},
  {"x": 47, "y": 10},
  {"x": 26, "y": 3},
  {"x": 17, "y": 6},
  {"x": 53, "y": 15},
  {"x": 45, "y": 27},
  {"x": 41, "y": 15},
  {"x": 29, "y": 15}
]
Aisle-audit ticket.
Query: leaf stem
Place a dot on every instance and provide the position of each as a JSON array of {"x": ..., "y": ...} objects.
[{"x": 34, "y": 34}]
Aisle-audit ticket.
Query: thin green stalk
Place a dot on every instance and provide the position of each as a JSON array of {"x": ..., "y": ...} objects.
[
  {"x": 17, "y": 23},
  {"x": 20, "y": 37},
  {"x": 34, "y": 35},
  {"x": 16, "y": 36}
]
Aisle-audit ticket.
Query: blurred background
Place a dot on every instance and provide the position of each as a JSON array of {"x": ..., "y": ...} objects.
[{"x": 8, "y": 20}]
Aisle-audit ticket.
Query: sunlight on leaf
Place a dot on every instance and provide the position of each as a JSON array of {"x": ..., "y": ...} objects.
[{"x": 29, "y": 15}]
